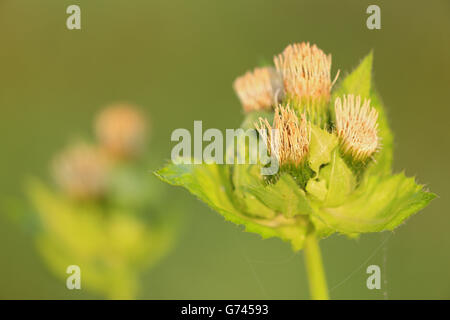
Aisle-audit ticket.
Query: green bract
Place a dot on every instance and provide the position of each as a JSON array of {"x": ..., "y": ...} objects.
[{"x": 338, "y": 196}]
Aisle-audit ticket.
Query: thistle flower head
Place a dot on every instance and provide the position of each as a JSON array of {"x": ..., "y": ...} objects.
[
  {"x": 121, "y": 130},
  {"x": 81, "y": 171},
  {"x": 288, "y": 138},
  {"x": 356, "y": 127},
  {"x": 305, "y": 70},
  {"x": 258, "y": 90}
]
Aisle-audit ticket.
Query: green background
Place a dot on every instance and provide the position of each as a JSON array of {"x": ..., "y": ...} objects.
[{"x": 177, "y": 59}]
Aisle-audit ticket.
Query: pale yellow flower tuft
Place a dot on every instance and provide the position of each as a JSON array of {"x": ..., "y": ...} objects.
[
  {"x": 81, "y": 171},
  {"x": 306, "y": 71},
  {"x": 121, "y": 130},
  {"x": 259, "y": 90},
  {"x": 288, "y": 139},
  {"x": 357, "y": 127}
]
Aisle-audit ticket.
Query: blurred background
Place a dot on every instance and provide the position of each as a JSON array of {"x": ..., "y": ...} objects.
[{"x": 177, "y": 59}]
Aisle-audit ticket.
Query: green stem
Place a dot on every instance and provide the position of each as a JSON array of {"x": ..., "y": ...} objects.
[{"x": 314, "y": 267}]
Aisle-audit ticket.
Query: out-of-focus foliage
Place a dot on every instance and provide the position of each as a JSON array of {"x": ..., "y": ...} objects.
[
  {"x": 111, "y": 244},
  {"x": 109, "y": 216}
]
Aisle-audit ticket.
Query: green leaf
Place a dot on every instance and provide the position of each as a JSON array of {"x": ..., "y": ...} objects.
[
  {"x": 245, "y": 176},
  {"x": 284, "y": 197},
  {"x": 320, "y": 148},
  {"x": 382, "y": 163},
  {"x": 340, "y": 180},
  {"x": 320, "y": 228},
  {"x": 211, "y": 183},
  {"x": 318, "y": 189},
  {"x": 381, "y": 203},
  {"x": 358, "y": 82}
]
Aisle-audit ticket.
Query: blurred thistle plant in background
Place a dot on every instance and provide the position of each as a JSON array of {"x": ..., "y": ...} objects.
[
  {"x": 334, "y": 149},
  {"x": 81, "y": 171},
  {"x": 106, "y": 215}
]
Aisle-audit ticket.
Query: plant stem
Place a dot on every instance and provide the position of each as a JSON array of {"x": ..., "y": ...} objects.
[{"x": 314, "y": 267}]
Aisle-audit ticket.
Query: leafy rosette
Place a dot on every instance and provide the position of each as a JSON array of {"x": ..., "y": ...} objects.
[{"x": 334, "y": 149}]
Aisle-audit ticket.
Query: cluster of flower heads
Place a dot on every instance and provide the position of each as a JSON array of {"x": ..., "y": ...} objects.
[
  {"x": 298, "y": 89},
  {"x": 82, "y": 169}
]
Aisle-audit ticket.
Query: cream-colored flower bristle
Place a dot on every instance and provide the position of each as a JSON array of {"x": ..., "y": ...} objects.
[
  {"x": 258, "y": 89},
  {"x": 288, "y": 138},
  {"x": 357, "y": 127},
  {"x": 306, "y": 71},
  {"x": 121, "y": 130},
  {"x": 81, "y": 171}
]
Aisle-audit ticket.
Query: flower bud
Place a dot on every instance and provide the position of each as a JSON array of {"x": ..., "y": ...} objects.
[
  {"x": 121, "y": 131},
  {"x": 288, "y": 138},
  {"x": 306, "y": 73},
  {"x": 356, "y": 127},
  {"x": 259, "y": 90}
]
